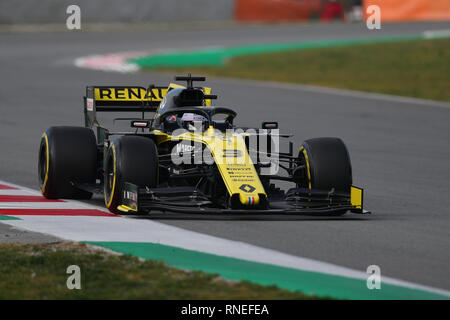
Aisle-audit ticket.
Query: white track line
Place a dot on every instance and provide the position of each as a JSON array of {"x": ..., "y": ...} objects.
[
  {"x": 133, "y": 230},
  {"x": 43, "y": 205},
  {"x": 91, "y": 228},
  {"x": 9, "y": 192},
  {"x": 436, "y": 34}
]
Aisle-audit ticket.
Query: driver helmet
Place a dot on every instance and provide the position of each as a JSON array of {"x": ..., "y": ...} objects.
[{"x": 192, "y": 121}]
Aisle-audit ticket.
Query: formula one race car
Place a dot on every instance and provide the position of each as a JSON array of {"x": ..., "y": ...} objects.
[{"x": 189, "y": 157}]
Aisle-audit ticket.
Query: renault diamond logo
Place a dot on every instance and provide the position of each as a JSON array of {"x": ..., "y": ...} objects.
[{"x": 247, "y": 188}]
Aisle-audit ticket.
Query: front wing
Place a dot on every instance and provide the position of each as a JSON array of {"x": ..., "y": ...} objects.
[{"x": 296, "y": 201}]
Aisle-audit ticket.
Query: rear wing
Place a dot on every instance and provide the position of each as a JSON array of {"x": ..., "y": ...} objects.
[
  {"x": 124, "y": 99},
  {"x": 119, "y": 99}
]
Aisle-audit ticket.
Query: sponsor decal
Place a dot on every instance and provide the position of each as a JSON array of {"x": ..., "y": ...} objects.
[
  {"x": 90, "y": 104},
  {"x": 132, "y": 196},
  {"x": 183, "y": 147},
  {"x": 229, "y": 150},
  {"x": 129, "y": 94},
  {"x": 247, "y": 188},
  {"x": 233, "y": 153}
]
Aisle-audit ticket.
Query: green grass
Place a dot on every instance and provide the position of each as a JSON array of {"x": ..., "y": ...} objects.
[
  {"x": 417, "y": 68},
  {"x": 39, "y": 272}
]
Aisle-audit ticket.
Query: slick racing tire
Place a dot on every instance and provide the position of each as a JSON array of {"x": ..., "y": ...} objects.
[
  {"x": 67, "y": 156},
  {"x": 129, "y": 159},
  {"x": 328, "y": 165}
]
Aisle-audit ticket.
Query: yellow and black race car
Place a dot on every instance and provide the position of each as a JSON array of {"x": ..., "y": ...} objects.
[{"x": 189, "y": 157}]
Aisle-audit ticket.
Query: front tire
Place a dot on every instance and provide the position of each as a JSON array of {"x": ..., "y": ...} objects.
[
  {"x": 67, "y": 156},
  {"x": 130, "y": 159},
  {"x": 327, "y": 164}
]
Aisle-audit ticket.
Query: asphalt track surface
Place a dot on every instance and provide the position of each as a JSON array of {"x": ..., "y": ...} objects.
[
  {"x": 10, "y": 234},
  {"x": 400, "y": 151}
]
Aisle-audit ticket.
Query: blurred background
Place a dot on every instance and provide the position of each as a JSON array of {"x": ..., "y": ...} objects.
[
  {"x": 145, "y": 11},
  {"x": 311, "y": 65}
]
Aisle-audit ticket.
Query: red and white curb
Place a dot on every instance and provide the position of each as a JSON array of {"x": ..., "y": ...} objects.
[
  {"x": 117, "y": 62},
  {"x": 78, "y": 221},
  {"x": 19, "y": 201}
]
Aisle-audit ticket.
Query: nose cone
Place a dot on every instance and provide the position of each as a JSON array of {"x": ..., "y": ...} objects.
[{"x": 249, "y": 200}]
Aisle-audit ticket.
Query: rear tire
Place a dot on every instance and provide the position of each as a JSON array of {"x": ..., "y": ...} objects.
[
  {"x": 328, "y": 165},
  {"x": 130, "y": 159},
  {"x": 67, "y": 156}
]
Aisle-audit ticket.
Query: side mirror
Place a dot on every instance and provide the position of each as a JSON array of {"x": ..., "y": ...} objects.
[
  {"x": 140, "y": 124},
  {"x": 269, "y": 125}
]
